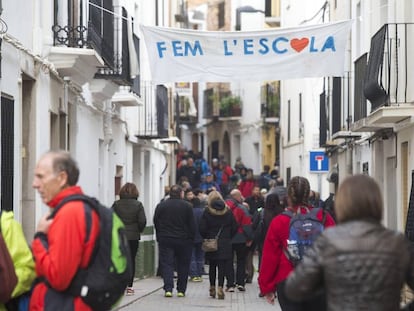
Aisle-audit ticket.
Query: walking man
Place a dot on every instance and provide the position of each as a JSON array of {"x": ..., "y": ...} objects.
[
  {"x": 59, "y": 247},
  {"x": 175, "y": 229},
  {"x": 241, "y": 241}
]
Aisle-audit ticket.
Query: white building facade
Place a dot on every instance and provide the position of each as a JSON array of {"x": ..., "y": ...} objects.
[
  {"x": 74, "y": 77},
  {"x": 365, "y": 124}
]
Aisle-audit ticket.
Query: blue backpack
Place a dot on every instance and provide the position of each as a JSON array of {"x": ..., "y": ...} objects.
[{"x": 303, "y": 231}]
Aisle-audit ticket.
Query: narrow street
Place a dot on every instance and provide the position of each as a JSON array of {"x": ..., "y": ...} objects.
[{"x": 149, "y": 296}]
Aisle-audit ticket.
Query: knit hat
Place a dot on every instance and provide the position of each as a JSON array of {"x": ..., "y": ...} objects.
[{"x": 218, "y": 204}]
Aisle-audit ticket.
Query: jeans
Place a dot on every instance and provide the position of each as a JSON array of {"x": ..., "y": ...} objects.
[
  {"x": 249, "y": 263},
  {"x": 197, "y": 261},
  {"x": 175, "y": 253}
]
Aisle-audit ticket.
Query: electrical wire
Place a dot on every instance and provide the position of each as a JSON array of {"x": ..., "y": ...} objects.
[
  {"x": 45, "y": 65},
  {"x": 322, "y": 9},
  {"x": 3, "y": 26}
]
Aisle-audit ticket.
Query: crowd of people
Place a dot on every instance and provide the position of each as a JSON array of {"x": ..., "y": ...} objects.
[
  {"x": 232, "y": 203},
  {"x": 252, "y": 213},
  {"x": 354, "y": 263}
]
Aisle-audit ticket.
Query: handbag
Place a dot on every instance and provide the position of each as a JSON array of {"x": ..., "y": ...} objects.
[{"x": 211, "y": 245}]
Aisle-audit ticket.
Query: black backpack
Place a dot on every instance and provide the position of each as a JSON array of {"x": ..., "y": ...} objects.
[
  {"x": 105, "y": 279},
  {"x": 259, "y": 231}
]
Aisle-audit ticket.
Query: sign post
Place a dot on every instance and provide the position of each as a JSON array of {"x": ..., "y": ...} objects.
[{"x": 318, "y": 163}]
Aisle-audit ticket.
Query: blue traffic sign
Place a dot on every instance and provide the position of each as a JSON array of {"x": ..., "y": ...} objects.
[{"x": 319, "y": 161}]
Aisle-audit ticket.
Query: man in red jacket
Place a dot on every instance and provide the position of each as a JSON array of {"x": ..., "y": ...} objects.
[
  {"x": 240, "y": 242},
  {"x": 60, "y": 246},
  {"x": 275, "y": 266}
]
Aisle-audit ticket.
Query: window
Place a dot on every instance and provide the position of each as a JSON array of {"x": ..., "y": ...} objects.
[
  {"x": 7, "y": 153},
  {"x": 221, "y": 14}
]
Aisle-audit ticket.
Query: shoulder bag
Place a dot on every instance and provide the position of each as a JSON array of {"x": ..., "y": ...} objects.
[{"x": 211, "y": 245}]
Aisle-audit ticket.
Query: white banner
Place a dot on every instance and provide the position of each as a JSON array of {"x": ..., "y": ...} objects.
[{"x": 178, "y": 55}]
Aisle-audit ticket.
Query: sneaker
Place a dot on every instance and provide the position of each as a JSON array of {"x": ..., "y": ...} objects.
[
  {"x": 230, "y": 289},
  {"x": 198, "y": 279},
  {"x": 168, "y": 294},
  {"x": 241, "y": 288},
  {"x": 129, "y": 291},
  {"x": 180, "y": 294}
]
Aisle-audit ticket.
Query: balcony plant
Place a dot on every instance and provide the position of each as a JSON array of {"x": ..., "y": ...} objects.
[
  {"x": 230, "y": 106},
  {"x": 273, "y": 106}
]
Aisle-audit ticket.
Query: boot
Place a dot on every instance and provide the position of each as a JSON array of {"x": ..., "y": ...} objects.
[
  {"x": 212, "y": 291},
  {"x": 220, "y": 292}
]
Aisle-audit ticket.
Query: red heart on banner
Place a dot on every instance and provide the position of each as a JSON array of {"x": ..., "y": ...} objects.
[{"x": 299, "y": 44}]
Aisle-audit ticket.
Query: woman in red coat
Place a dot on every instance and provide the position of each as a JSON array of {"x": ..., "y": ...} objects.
[
  {"x": 275, "y": 266},
  {"x": 247, "y": 184}
]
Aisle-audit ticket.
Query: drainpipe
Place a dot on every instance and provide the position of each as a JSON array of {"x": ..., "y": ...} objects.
[
  {"x": 107, "y": 123},
  {"x": 348, "y": 159},
  {"x": 64, "y": 108}
]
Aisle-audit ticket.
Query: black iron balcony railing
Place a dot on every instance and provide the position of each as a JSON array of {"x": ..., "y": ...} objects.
[
  {"x": 117, "y": 65},
  {"x": 102, "y": 46},
  {"x": 70, "y": 36},
  {"x": 388, "y": 72},
  {"x": 83, "y": 37},
  {"x": 360, "y": 102},
  {"x": 153, "y": 117}
]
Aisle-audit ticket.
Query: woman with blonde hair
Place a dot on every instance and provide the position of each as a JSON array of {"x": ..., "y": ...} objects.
[
  {"x": 218, "y": 219},
  {"x": 360, "y": 264}
]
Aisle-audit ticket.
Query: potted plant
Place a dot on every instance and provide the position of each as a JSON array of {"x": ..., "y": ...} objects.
[{"x": 230, "y": 106}]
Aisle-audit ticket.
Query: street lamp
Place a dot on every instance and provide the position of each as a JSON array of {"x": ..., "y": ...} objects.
[{"x": 244, "y": 9}]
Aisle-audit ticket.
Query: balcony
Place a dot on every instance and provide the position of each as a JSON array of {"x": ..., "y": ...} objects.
[
  {"x": 187, "y": 112},
  {"x": 98, "y": 51},
  {"x": 119, "y": 69},
  {"x": 385, "y": 80},
  {"x": 153, "y": 117},
  {"x": 72, "y": 55},
  {"x": 221, "y": 104},
  {"x": 230, "y": 107},
  {"x": 270, "y": 102}
]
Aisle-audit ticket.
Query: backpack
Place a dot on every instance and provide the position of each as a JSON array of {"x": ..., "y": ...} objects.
[
  {"x": 259, "y": 231},
  {"x": 303, "y": 231},
  {"x": 109, "y": 271},
  {"x": 8, "y": 277},
  {"x": 263, "y": 181}
]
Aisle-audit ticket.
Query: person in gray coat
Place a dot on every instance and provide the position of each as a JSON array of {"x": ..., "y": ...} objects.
[
  {"x": 360, "y": 264},
  {"x": 132, "y": 214}
]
